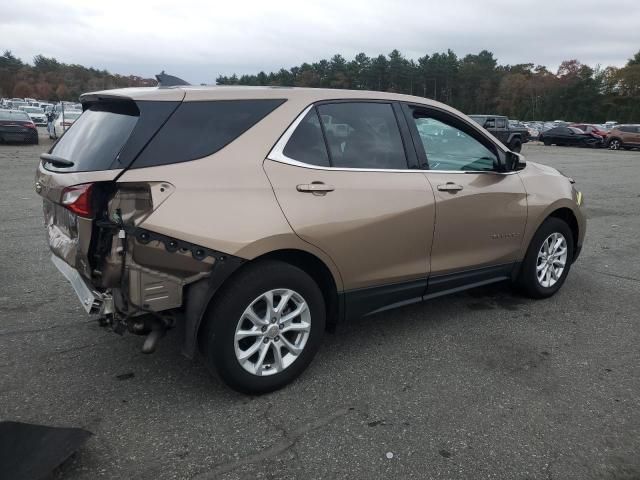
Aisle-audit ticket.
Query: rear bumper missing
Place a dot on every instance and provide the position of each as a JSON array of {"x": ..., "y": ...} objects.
[{"x": 92, "y": 301}]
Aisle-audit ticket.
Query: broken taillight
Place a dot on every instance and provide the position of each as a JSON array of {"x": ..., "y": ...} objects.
[{"x": 77, "y": 198}]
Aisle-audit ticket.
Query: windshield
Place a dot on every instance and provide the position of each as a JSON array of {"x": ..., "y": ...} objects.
[
  {"x": 13, "y": 115},
  {"x": 32, "y": 110},
  {"x": 71, "y": 115},
  {"x": 478, "y": 119}
]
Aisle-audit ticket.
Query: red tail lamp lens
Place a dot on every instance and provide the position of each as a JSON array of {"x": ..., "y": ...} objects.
[{"x": 78, "y": 199}]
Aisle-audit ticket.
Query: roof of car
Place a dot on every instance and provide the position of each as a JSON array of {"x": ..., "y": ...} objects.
[{"x": 232, "y": 92}]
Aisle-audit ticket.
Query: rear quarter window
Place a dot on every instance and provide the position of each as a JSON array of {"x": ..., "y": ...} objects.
[{"x": 199, "y": 129}]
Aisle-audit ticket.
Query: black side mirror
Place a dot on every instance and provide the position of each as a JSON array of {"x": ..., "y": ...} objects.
[{"x": 515, "y": 161}]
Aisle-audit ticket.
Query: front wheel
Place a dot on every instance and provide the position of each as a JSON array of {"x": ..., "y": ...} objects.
[
  {"x": 264, "y": 327},
  {"x": 548, "y": 259},
  {"x": 516, "y": 146}
]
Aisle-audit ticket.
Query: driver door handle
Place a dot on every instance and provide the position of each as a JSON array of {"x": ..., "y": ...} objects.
[
  {"x": 450, "y": 187},
  {"x": 315, "y": 188}
]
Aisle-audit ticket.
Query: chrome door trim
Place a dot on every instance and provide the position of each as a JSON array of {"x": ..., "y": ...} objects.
[{"x": 276, "y": 154}]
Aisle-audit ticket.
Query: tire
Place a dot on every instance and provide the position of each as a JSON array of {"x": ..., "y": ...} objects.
[
  {"x": 229, "y": 312},
  {"x": 547, "y": 142},
  {"x": 614, "y": 144},
  {"x": 528, "y": 281},
  {"x": 516, "y": 146}
]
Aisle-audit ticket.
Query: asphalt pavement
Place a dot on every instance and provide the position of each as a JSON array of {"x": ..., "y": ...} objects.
[{"x": 479, "y": 385}]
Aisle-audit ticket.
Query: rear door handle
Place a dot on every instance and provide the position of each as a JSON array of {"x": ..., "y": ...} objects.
[
  {"x": 315, "y": 188},
  {"x": 450, "y": 187}
]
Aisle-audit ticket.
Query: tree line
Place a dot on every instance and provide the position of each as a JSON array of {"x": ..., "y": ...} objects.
[
  {"x": 476, "y": 83},
  {"x": 48, "y": 79}
]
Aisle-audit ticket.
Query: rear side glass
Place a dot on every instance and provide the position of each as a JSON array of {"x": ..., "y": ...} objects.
[
  {"x": 307, "y": 145},
  {"x": 363, "y": 135},
  {"x": 501, "y": 123},
  {"x": 97, "y": 136},
  {"x": 199, "y": 129}
]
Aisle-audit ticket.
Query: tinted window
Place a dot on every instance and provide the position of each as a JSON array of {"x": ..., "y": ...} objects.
[
  {"x": 198, "y": 129},
  {"x": 363, "y": 135},
  {"x": 575, "y": 130},
  {"x": 501, "y": 123},
  {"x": 97, "y": 136},
  {"x": 307, "y": 144},
  {"x": 449, "y": 148}
]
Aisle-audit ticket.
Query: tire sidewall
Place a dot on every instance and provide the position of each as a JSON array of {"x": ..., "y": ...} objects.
[
  {"x": 528, "y": 275},
  {"x": 222, "y": 320}
]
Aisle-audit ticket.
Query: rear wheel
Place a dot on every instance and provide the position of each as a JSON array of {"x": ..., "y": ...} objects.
[
  {"x": 615, "y": 144},
  {"x": 548, "y": 259},
  {"x": 264, "y": 328}
]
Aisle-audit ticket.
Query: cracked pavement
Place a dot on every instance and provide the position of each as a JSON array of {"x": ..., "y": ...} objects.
[{"x": 482, "y": 384}]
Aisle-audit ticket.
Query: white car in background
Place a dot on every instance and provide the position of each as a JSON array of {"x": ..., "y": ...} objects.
[
  {"x": 36, "y": 115},
  {"x": 60, "y": 125}
]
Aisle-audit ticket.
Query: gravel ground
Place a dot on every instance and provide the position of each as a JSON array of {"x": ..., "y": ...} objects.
[{"x": 482, "y": 384}]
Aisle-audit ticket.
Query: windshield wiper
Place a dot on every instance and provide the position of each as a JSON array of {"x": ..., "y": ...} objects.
[{"x": 56, "y": 161}]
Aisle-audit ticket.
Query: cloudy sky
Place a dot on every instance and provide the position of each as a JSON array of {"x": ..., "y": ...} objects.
[{"x": 200, "y": 39}]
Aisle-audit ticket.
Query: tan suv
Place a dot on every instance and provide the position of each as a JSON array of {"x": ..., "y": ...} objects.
[
  {"x": 624, "y": 136},
  {"x": 251, "y": 219}
]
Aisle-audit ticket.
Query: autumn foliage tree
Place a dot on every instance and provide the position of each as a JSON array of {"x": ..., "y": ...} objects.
[{"x": 49, "y": 79}]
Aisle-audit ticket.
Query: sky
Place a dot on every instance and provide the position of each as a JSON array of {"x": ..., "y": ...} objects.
[{"x": 200, "y": 39}]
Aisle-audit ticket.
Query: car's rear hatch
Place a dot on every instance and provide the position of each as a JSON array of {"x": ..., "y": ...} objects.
[{"x": 76, "y": 178}]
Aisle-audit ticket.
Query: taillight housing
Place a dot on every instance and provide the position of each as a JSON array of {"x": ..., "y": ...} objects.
[{"x": 77, "y": 198}]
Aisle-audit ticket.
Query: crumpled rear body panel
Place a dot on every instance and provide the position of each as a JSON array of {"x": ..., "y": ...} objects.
[{"x": 66, "y": 236}]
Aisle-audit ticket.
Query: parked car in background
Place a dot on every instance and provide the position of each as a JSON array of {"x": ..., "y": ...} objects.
[
  {"x": 17, "y": 104},
  {"x": 62, "y": 122},
  {"x": 570, "y": 136},
  {"x": 610, "y": 124},
  {"x": 499, "y": 127},
  {"x": 240, "y": 205},
  {"x": 16, "y": 126},
  {"x": 36, "y": 114},
  {"x": 590, "y": 128},
  {"x": 624, "y": 136}
]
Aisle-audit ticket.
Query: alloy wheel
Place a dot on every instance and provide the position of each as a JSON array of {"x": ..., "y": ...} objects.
[
  {"x": 272, "y": 332},
  {"x": 614, "y": 145},
  {"x": 551, "y": 260}
]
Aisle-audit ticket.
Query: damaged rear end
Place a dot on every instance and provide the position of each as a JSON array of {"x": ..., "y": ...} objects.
[{"x": 133, "y": 278}]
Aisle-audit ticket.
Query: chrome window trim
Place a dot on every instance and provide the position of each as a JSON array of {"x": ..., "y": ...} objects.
[{"x": 276, "y": 154}]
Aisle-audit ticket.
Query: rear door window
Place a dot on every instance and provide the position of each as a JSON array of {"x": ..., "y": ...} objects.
[
  {"x": 306, "y": 144},
  {"x": 199, "y": 129},
  {"x": 363, "y": 135}
]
